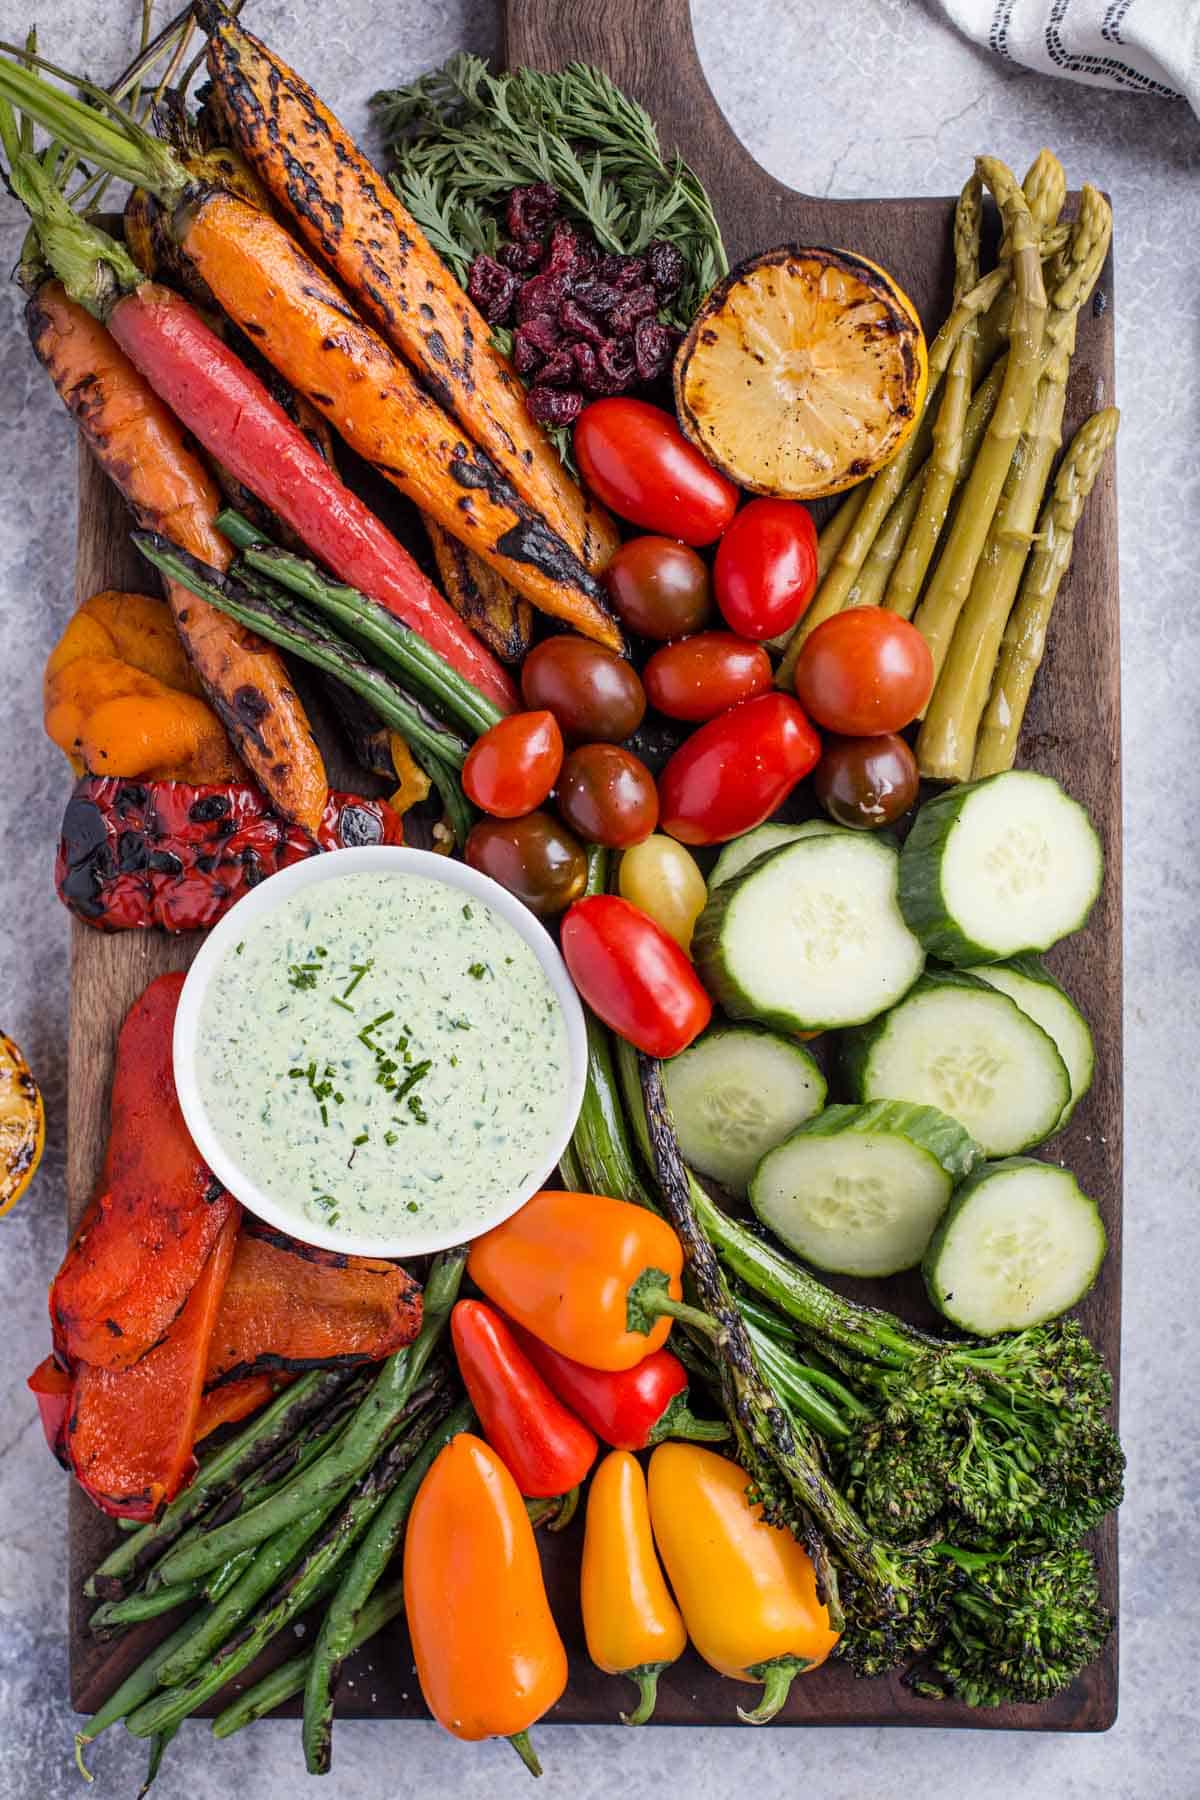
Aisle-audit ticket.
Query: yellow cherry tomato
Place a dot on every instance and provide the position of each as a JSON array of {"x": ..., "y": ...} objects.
[{"x": 660, "y": 877}]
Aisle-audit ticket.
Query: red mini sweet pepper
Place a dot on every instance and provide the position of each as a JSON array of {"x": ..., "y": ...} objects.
[
  {"x": 631, "y": 1409},
  {"x": 543, "y": 1446}
]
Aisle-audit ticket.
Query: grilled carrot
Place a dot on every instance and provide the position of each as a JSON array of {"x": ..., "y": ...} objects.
[
  {"x": 484, "y": 599},
  {"x": 347, "y": 212},
  {"x": 143, "y": 449},
  {"x": 306, "y": 328}
]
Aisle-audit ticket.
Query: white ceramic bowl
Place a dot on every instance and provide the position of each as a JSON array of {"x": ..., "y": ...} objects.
[{"x": 381, "y": 859}]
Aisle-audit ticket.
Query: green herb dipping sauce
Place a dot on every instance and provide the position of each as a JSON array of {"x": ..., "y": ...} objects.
[{"x": 383, "y": 1046}]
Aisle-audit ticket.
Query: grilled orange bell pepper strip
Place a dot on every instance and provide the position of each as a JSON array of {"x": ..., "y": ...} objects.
[
  {"x": 488, "y": 1654},
  {"x": 632, "y": 1625},
  {"x": 747, "y": 1590},
  {"x": 595, "y": 1278}
]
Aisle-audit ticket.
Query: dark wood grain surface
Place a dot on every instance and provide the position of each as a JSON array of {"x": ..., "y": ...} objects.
[{"x": 1071, "y": 732}]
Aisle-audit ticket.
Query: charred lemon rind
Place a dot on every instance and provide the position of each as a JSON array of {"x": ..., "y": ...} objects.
[{"x": 803, "y": 372}]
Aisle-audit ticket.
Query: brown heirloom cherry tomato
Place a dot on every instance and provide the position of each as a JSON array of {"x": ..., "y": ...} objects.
[
  {"x": 663, "y": 879},
  {"x": 608, "y": 796},
  {"x": 512, "y": 767},
  {"x": 633, "y": 976},
  {"x": 593, "y": 693},
  {"x": 701, "y": 676},
  {"x": 731, "y": 774},
  {"x": 866, "y": 781},
  {"x": 535, "y": 858},
  {"x": 766, "y": 568},
  {"x": 658, "y": 587},
  {"x": 636, "y": 460},
  {"x": 864, "y": 671}
]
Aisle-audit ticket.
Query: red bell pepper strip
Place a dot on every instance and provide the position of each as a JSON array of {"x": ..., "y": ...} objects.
[
  {"x": 50, "y": 1386},
  {"x": 544, "y": 1447},
  {"x": 631, "y": 1409},
  {"x": 231, "y": 413}
]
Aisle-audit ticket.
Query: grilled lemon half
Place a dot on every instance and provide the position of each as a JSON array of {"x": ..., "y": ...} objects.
[
  {"x": 22, "y": 1124},
  {"x": 803, "y": 372}
]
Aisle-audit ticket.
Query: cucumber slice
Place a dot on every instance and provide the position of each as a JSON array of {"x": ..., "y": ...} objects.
[
  {"x": 964, "y": 1047},
  {"x": 740, "y": 852},
  {"x": 1020, "y": 1243},
  {"x": 999, "y": 867},
  {"x": 736, "y": 1093},
  {"x": 1027, "y": 981},
  {"x": 860, "y": 1190},
  {"x": 810, "y": 936}
]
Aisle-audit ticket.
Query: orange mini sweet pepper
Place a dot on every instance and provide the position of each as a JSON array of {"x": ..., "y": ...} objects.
[
  {"x": 747, "y": 1590},
  {"x": 631, "y": 1623},
  {"x": 595, "y": 1278},
  {"x": 488, "y": 1654}
]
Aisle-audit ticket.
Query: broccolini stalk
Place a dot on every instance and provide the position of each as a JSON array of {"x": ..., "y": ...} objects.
[{"x": 1024, "y": 641}]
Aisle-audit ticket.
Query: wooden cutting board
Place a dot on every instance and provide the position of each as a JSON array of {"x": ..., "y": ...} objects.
[{"x": 1072, "y": 732}]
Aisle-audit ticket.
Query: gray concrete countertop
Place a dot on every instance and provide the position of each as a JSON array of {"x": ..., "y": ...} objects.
[{"x": 876, "y": 97}]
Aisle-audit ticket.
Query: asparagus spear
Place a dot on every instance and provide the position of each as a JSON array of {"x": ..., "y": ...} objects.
[
  {"x": 946, "y": 745},
  {"x": 952, "y": 578},
  {"x": 1045, "y": 189},
  {"x": 1025, "y": 634},
  {"x": 946, "y": 456}
]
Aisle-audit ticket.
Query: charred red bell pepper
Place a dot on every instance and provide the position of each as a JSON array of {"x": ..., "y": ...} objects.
[
  {"x": 50, "y": 1386},
  {"x": 544, "y": 1447},
  {"x": 170, "y": 854},
  {"x": 631, "y": 1409},
  {"x": 159, "y": 1209}
]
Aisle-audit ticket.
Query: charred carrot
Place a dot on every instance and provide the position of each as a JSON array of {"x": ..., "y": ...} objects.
[
  {"x": 234, "y": 417},
  {"x": 347, "y": 212},
  {"x": 143, "y": 449},
  {"x": 304, "y": 326}
]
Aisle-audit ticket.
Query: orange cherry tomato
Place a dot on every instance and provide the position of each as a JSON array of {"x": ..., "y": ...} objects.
[
  {"x": 701, "y": 676},
  {"x": 512, "y": 767}
]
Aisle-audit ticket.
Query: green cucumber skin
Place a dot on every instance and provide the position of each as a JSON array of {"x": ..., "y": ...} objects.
[
  {"x": 708, "y": 954},
  {"x": 806, "y": 1065},
  {"x": 1031, "y": 967},
  {"x": 925, "y": 1126},
  {"x": 962, "y": 1196},
  {"x": 921, "y": 898}
]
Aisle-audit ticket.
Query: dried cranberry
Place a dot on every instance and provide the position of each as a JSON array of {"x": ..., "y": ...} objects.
[
  {"x": 557, "y": 370},
  {"x": 653, "y": 345},
  {"x": 582, "y": 269},
  {"x": 578, "y": 324},
  {"x": 540, "y": 294},
  {"x": 639, "y": 303},
  {"x": 526, "y": 355},
  {"x": 542, "y": 331},
  {"x": 617, "y": 367},
  {"x": 522, "y": 258},
  {"x": 492, "y": 288},
  {"x": 554, "y": 406},
  {"x": 562, "y": 252},
  {"x": 665, "y": 266},
  {"x": 530, "y": 209},
  {"x": 586, "y": 367},
  {"x": 598, "y": 296},
  {"x": 622, "y": 271}
]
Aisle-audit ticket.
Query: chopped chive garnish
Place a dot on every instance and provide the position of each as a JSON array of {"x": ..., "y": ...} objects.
[
  {"x": 320, "y": 950},
  {"x": 357, "y": 971},
  {"x": 390, "y": 1137},
  {"x": 477, "y": 971},
  {"x": 240, "y": 948},
  {"x": 324, "y": 1115},
  {"x": 467, "y": 913},
  {"x": 417, "y": 1073},
  {"x": 295, "y": 1074},
  {"x": 362, "y": 1138},
  {"x": 300, "y": 977},
  {"x": 417, "y": 1110},
  {"x": 338, "y": 1001}
]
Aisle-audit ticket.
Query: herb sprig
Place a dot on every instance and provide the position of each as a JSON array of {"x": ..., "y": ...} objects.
[{"x": 461, "y": 136}]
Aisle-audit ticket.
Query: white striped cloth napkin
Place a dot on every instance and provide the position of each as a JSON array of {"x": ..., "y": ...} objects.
[{"x": 1139, "y": 46}]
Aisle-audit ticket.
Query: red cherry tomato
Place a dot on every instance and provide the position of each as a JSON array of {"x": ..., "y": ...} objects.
[
  {"x": 766, "y": 568},
  {"x": 701, "y": 676},
  {"x": 732, "y": 774},
  {"x": 636, "y": 460},
  {"x": 659, "y": 588},
  {"x": 864, "y": 672},
  {"x": 592, "y": 692},
  {"x": 607, "y": 796},
  {"x": 633, "y": 976},
  {"x": 512, "y": 767}
]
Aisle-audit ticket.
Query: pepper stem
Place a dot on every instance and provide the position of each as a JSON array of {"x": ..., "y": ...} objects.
[
  {"x": 679, "y": 1421},
  {"x": 646, "y": 1677},
  {"x": 777, "y": 1677},
  {"x": 82, "y": 1740},
  {"x": 649, "y": 1300},
  {"x": 523, "y": 1745}
]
